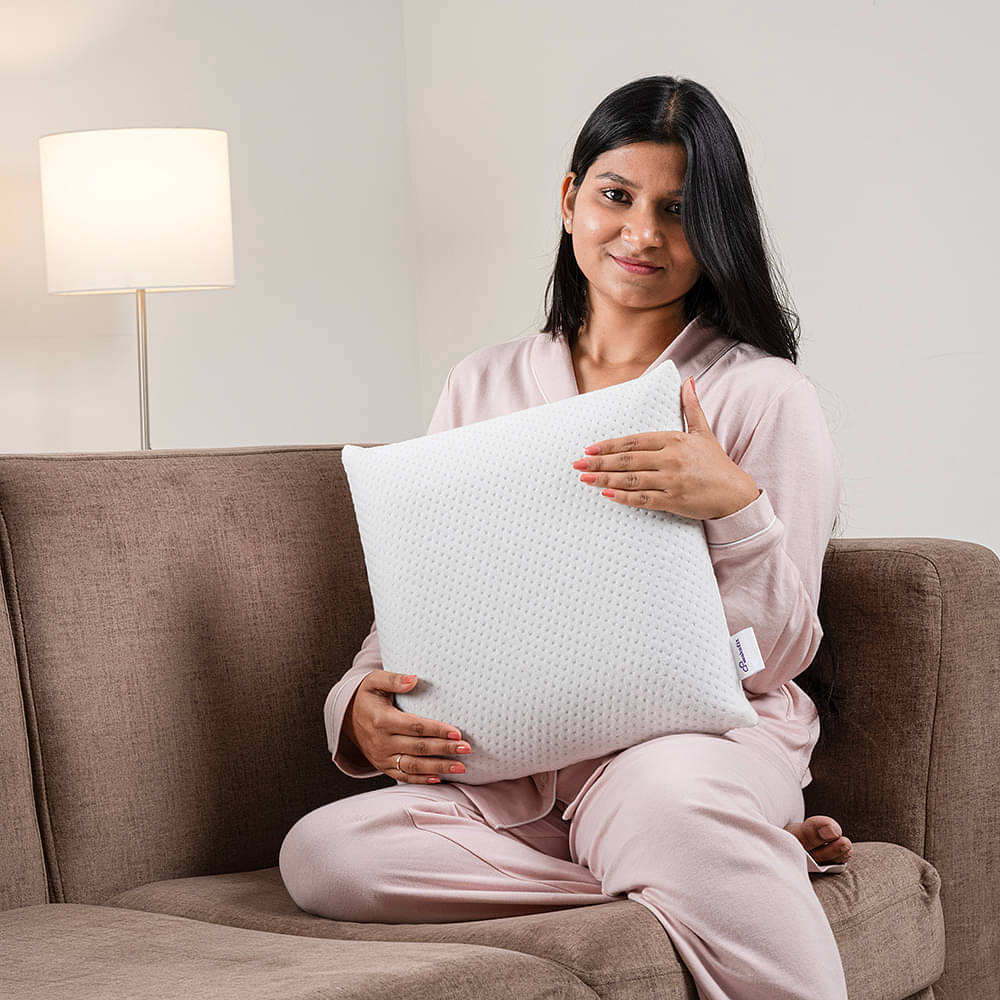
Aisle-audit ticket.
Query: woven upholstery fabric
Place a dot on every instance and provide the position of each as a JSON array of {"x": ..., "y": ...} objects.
[
  {"x": 546, "y": 622},
  {"x": 619, "y": 949},
  {"x": 100, "y": 952},
  {"x": 906, "y": 681},
  {"x": 180, "y": 618},
  {"x": 22, "y": 864},
  {"x": 889, "y": 895}
]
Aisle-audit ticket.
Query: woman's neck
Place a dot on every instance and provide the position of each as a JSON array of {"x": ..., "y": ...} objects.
[
  {"x": 610, "y": 358},
  {"x": 616, "y": 342}
]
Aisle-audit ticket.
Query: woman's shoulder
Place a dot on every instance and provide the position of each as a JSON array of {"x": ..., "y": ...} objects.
[
  {"x": 749, "y": 372},
  {"x": 496, "y": 359},
  {"x": 745, "y": 390},
  {"x": 749, "y": 395},
  {"x": 489, "y": 382}
]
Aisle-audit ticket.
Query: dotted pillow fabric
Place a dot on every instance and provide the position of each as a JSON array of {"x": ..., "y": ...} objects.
[{"x": 549, "y": 623}]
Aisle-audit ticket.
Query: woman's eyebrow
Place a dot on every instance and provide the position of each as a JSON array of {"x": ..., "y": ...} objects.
[{"x": 618, "y": 179}]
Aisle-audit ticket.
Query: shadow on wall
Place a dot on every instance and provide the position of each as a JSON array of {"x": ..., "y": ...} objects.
[{"x": 68, "y": 360}]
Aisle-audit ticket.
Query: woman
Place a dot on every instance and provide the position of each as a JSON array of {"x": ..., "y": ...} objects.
[{"x": 661, "y": 258}]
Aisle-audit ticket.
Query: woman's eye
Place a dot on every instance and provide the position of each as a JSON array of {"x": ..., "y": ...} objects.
[{"x": 611, "y": 193}]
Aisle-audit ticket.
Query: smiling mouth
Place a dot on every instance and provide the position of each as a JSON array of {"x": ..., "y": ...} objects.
[{"x": 635, "y": 268}]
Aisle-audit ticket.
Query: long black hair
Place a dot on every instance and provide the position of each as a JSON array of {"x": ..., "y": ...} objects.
[{"x": 739, "y": 291}]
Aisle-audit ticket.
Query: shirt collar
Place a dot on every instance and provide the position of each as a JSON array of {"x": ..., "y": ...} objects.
[{"x": 692, "y": 351}]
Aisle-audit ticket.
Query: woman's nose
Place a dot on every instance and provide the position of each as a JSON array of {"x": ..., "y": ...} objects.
[{"x": 643, "y": 229}]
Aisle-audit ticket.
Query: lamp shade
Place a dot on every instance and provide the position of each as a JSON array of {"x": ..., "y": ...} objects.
[{"x": 137, "y": 208}]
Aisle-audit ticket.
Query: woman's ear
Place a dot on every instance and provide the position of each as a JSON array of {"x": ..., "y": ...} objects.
[{"x": 568, "y": 200}]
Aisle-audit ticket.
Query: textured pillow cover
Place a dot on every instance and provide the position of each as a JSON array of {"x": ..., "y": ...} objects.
[{"x": 550, "y": 624}]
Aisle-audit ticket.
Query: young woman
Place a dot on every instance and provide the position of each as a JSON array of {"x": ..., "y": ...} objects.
[{"x": 661, "y": 257}]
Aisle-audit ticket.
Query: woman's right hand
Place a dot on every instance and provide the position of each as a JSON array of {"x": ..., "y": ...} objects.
[{"x": 403, "y": 745}]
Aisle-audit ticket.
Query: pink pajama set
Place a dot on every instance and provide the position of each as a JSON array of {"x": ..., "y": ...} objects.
[{"x": 689, "y": 825}]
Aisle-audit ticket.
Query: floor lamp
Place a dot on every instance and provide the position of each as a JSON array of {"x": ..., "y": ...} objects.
[{"x": 137, "y": 210}]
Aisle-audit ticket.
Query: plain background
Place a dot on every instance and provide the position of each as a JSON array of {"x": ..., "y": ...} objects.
[{"x": 395, "y": 172}]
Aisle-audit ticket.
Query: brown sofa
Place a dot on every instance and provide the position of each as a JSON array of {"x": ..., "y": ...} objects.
[{"x": 171, "y": 624}]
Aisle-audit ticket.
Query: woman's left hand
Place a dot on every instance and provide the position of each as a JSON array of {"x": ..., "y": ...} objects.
[{"x": 684, "y": 472}]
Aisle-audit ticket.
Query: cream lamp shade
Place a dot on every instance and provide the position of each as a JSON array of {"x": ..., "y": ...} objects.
[{"x": 137, "y": 208}]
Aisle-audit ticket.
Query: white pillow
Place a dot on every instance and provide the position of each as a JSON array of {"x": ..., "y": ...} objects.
[{"x": 547, "y": 622}]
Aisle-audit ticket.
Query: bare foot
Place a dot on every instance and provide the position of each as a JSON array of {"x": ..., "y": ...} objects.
[{"x": 821, "y": 837}]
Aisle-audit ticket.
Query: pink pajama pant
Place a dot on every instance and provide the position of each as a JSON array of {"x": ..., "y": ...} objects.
[{"x": 689, "y": 825}]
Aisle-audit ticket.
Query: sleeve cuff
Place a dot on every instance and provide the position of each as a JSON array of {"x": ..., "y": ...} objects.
[
  {"x": 748, "y": 522},
  {"x": 337, "y": 708}
]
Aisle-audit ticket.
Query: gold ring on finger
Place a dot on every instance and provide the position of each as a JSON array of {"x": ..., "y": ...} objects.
[{"x": 398, "y": 768}]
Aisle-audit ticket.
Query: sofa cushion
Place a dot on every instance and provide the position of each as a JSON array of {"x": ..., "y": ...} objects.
[
  {"x": 66, "y": 951},
  {"x": 22, "y": 863},
  {"x": 619, "y": 949},
  {"x": 182, "y": 617},
  {"x": 885, "y": 912}
]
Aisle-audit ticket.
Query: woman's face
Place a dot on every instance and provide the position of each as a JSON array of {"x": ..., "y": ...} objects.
[{"x": 628, "y": 207}]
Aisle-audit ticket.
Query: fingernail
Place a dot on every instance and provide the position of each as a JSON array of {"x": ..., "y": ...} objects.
[
  {"x": 433, "y": 781},
  {"x": 409, "y": 678},
  {"x": 588, "y": 477},
  {"x": 691, "y": 380},
  {"x": 581, "y": 463},
  {"x": 591, "y": 450},
  {"x": 457, "y": 769},
  {"x": 828, "y": 833},
  {"x": 607, "y": 493},
  {"x": 463, "y": 748},
  {"x": 454, "y": 735}
]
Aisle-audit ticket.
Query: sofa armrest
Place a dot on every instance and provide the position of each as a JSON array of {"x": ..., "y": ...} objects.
[{"x": 907, "y": 683}]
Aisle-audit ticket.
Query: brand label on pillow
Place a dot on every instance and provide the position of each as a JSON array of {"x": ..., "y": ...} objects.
[{"x": 746, "y": 653}]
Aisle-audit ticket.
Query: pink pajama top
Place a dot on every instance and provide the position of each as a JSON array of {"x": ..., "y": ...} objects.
[{"x": 767, "y": 557}]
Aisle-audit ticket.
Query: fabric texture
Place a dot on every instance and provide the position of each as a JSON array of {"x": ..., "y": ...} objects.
[
  {"x": 22, "y": 863},
  {"x": 907, "y": 687},
  {"x": 508, "y": 587},
  {"x": 178, "y": 617},
  {"x": 101, "y": 953},
  {"x": 618, "y": 949}
]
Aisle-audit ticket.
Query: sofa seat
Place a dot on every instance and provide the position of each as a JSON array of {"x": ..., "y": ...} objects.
[
  {"x": 66, "y": 951},
  {"x": 887, "y": 894}
]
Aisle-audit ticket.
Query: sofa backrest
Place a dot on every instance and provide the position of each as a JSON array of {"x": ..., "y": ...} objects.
[
  {"x": 22, "y": 863},
  {"x": 182, "y": 618}
]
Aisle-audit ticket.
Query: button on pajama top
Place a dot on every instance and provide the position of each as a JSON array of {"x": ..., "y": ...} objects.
[{"x": 689, "y": 825}]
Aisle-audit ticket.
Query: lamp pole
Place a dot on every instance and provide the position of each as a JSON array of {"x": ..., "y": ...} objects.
[{"x": 140, "y": 315}]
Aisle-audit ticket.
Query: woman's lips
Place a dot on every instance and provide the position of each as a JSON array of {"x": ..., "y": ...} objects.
[{"x": 635, "y": 268}]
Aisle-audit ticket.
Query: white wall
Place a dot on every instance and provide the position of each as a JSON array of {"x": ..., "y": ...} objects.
[
  {"x": 315, "y": 343},
  {"x": 396, "y": 170},
  {"x": 871, "y": 131}
]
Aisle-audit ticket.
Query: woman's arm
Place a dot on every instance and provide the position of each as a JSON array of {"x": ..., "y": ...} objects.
[
  {"x": 768, "y": 557},
  {"x": 345, "y": 755}
]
